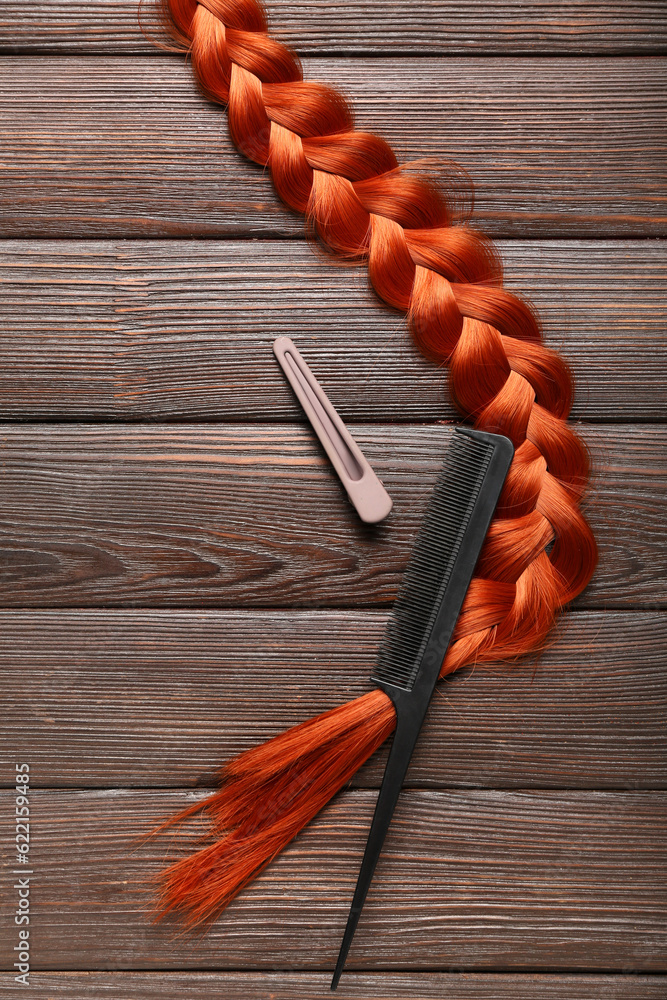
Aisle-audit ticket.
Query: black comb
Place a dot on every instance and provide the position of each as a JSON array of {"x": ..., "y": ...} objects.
[{"x": 424, "y": 615}]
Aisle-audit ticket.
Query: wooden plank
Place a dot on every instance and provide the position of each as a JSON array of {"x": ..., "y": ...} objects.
[
  {"x": 475, "y": 880},
  {"x": 356, "y": 986},
  {"x": 110, "y": 146},
  {"x": 162, "y": 698},
  {"x": 182, "y": 330},
  {"x": 228, "y": 515},
  {"x": 360, "y": 26}
]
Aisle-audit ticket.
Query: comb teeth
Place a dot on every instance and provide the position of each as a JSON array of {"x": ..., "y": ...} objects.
[{"x": 435, "y": 551}]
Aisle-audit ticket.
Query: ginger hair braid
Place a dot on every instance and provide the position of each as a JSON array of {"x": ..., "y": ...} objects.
[{"x": 539, "y": 553}]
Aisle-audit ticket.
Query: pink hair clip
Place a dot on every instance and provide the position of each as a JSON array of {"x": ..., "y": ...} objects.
[{"x": 364, "y": 489}]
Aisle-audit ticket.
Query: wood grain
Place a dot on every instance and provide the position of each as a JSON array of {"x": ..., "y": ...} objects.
[
  {"x": 168, "y": 330},
  {"x": 126, "y": 147},
  {"x": 527, "y": 858},
  {"x": 355, "y": 986},
  {"x": 474, "y": 880},
  {"x": 235, "y": 515},
  {"x": 163, "y": 698},
  {"x": 360, "y": 26}
]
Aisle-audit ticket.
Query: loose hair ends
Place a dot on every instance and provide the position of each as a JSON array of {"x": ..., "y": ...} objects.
[
  {"x": 447, "y": 279},
  {"x": 267, "y": 795}
]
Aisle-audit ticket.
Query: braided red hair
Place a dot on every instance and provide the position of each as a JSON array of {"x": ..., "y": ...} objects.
[{"x": 539, "y": 553}]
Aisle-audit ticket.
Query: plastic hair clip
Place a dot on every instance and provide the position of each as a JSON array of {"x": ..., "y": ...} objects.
[{"x": 364, "y": 489}]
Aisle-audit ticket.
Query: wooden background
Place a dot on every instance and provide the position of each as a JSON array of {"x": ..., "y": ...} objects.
[{"x": 181, "y": 577}]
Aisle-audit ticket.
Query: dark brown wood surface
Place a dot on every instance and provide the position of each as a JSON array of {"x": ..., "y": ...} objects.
[
  {"x": 356, "y": 986},
  {"x": 361, "y": 26},
  {"x": 181, "y": 576},
  {"x": 160, "y": 698},
  {"x": 224, "y": 515},
  {"x": 126, "y": 147},
  {"x": 182, "y": 330},
  {"x": 581, "y": 873}
]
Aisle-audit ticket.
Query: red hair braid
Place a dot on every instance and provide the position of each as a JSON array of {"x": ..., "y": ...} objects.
[{"x": 539, "y": 553}]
